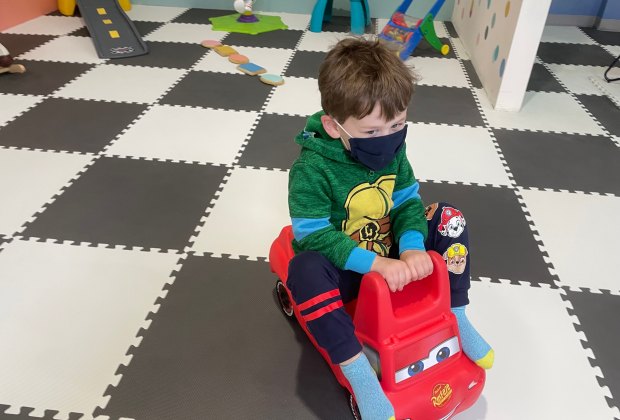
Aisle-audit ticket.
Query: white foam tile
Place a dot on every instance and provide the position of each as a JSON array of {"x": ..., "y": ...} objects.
[
  {"x": 565, "y": 34},
  {"x": 190, "y": 33},
  {"x": 171, "y": 132},
  {"x": 577, "y": 78},
  {"x": 154, "y": 13},
  {"x": 28, "y": 179},
  {"x": 578, "y": 231},
  {"x": 273, "y": 59},
  {"x": 320, "y": 41},
  {"x": 541, "y": 370},
  {"x": 248, "y": 215},
  {"x": 441, "y": 30},
  {"x": 130, "y": 83},
  {"x": 611, "y": 90},
  {"x": 452, "y": 153},
  {"x": 69, "y": 314},
  {"x": 294, "y": 21},
  {"x": 462, "y": 52},
  {"x": 48, "y": 25},
  {"x": 613, "y": 50},
  {"x": 13, "y": 105},
  {"x": 545, "y": 111},
  {"x": 297, "y": 96},
  {"x": 71, "y": 49},
  {"x": 438, "y": 71}
]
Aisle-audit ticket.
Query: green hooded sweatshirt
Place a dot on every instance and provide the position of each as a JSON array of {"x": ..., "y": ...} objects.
[{"x": 346, "y": 211}]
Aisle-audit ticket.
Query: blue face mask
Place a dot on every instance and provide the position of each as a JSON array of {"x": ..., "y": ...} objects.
[{"x": 376, "y": 152}]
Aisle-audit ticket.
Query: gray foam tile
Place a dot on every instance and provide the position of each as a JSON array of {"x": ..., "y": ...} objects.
[
  {"x": 131, "y": 202},
  {"x": 497, "y": 230},
  {"x": 305, "y": 64},
  {"x": 41, "y": 77},
  {"x": 282, "y": 38},
  {"x": 18, "y": 44},
  {"x": 542, "y": 81},
  {"x": 604, "y": 110},
  {"x": 63, "y": 124},
  {"x": 219, "y": 90},
  {"x": 562, "y": 161},
  {"x": 201, "y": 16},
  {"x": 219, "y": 347},
  {"x": 166, "y": 54},
  {"x": 603, "y": 37},
  {"x": 424, "y": 49},
  {"x": 471, "y": 72},
  {"x": 583, "y": 54},
  {"x": 447, "y": 105},
  {"x": 272, "y": 144},
  {"x": 598, "y": 316}
]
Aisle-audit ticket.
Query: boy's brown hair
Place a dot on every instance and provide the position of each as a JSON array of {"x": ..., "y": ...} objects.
[{"x": 358, "y": 73}]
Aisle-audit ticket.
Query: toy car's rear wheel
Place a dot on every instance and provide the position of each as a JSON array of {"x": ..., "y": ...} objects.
[
  {"x": 285, "y": 302},
  {"x": 354, "y": 408}
]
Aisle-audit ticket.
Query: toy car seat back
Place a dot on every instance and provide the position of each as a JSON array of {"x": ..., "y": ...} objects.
[
  {"x": 381, "y": 314},
  {"x": 281, "y": 253}
]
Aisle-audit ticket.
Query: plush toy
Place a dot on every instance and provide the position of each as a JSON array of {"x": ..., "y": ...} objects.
[
  {"x": 243, "y": 7},
  {"x": 6, "y": 62}
]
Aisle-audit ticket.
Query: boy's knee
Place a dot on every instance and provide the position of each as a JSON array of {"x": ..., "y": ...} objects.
[
  {"x": 309, "y": 272},
  {"x": 306, "y": 262}
]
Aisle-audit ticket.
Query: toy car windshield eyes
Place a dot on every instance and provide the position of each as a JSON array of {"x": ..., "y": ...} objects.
[{"x": 438, "y": 354}]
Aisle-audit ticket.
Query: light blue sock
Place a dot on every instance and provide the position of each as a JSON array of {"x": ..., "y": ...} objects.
[
  {"x": 369, "y": 395},
  {"x": 474, "y": 346}
]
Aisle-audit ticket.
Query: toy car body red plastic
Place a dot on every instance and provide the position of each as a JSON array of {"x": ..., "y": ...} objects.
[{"x": 410, "y": 337}]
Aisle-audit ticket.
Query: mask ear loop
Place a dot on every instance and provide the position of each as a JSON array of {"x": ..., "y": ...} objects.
[{"x": 345, "y": 142}]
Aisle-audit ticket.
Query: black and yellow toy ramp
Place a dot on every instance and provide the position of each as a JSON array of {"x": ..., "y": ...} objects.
[{"x": 112, "y": 32}]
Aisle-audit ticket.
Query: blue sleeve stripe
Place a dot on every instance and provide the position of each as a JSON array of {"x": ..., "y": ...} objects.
[
  {"x": 360, "y": 260},
  {"x": 304, "y": 227},
  {"x": 411, "y": 239},
  {"x": 405, "y": 194}
]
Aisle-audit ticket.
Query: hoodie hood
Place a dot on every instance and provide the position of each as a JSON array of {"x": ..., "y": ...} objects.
[{"x": 315, "y": 138}]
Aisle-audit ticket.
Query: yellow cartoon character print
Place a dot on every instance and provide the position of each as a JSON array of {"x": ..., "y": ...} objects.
[
  {"x": 456, "y": 258},
  {"x": 368, "y": 207}
]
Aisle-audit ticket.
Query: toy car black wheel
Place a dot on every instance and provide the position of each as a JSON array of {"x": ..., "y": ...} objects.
[
  {"x": 283, "y": 299},
  {"x": 354, "y": 408}
]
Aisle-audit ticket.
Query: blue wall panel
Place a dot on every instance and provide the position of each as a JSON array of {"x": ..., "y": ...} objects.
[{"x": 378, "y": 8}]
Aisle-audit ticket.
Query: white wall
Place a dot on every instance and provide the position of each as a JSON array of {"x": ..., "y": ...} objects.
[{"x": 502, "y": 37}]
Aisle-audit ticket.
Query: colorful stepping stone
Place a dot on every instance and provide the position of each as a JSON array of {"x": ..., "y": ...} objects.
[
  {"x": 210, "y": 43},
  {"x": 238, "y": 59},
  {"x": 251, "y": 69},
  {"x": 224, "y": 50},
  {"x": 272, "y": 79}
]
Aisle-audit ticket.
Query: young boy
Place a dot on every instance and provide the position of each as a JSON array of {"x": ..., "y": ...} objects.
[{"x": 355, "y": 208}]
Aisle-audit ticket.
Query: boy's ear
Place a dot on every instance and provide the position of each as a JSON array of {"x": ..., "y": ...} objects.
[{"x": 330, "y": 126}]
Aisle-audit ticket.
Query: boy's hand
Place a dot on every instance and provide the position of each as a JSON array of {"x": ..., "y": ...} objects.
[
  {"x": 395, "y": 272},
  {"x": 419, "y": 263}
]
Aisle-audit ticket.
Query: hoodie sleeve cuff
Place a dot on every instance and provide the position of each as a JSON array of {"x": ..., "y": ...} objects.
[
  {"x": 411, "y": 240},
  {"x": 360, "y": 260}
]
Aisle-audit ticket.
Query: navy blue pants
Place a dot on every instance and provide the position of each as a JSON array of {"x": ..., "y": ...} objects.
[{"x": 320, "y": 289}]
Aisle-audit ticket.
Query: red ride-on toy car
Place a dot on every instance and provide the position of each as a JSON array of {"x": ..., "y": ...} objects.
[{"x": 411, "y": 339}]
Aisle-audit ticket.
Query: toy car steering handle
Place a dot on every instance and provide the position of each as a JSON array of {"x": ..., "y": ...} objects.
[{"x": 381, "y": 313}]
